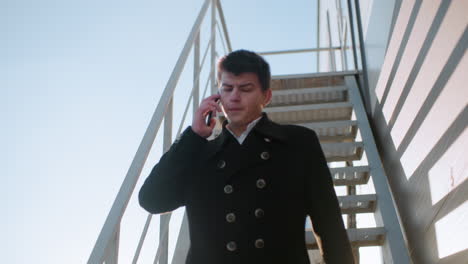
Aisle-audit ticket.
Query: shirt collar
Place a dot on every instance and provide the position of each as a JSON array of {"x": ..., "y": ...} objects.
[
  {"x": 244, "y": 134},
  {"x": 264, "y": 126}
]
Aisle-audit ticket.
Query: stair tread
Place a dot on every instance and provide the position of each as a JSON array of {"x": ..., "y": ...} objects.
[
  {"x": 309, "y": 95},
  {"x": 334, "y": 131},
  {"x": 315, "y": 75},
  {"x": 350, "y": 175},
  {"x": 303, "y": 107},
  {"x": 307, "y": 113},
  {"x": 284, "y": 82},
  {"x": 360, "y": 237},
  {"x": 342, "y": 151},
  {"x": 355, "y": 204}
]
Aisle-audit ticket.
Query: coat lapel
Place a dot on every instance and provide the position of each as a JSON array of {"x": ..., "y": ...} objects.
[{"x": 261, "y": 139}]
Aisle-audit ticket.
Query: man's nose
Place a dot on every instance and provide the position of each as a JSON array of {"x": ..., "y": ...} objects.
[{"x": 235, "y": 95}]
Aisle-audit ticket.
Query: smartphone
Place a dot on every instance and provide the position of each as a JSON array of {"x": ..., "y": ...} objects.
[{"x": 210, "y": 114}]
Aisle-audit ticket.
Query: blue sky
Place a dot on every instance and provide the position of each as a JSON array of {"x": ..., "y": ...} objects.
[{"x": 80, "y": 81}]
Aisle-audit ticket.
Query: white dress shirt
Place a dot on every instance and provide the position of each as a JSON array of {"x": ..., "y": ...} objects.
[{"x": 244, "y": 134}]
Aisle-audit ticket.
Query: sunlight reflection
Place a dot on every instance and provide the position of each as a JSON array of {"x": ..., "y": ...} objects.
[{"x": 452, "y": 230}]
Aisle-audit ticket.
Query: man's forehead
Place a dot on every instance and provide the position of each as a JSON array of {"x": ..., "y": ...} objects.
[{"x": 242, "y": 78}]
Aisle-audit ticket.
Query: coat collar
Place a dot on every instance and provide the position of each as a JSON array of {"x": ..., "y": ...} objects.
[{"x": 264, "y": 126}]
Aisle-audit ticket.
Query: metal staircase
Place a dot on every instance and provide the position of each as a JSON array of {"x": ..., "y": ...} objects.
[{"x": 328, "y": 102}]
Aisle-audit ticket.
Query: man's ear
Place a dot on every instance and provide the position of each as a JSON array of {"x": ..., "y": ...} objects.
[{"x": 268, "y": 95}]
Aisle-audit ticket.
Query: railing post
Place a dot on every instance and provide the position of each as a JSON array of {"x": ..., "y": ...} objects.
[
  {"x": 351, "y": 219},
  {"x": 343, "y": 46},
  {"x": 341, "y": 37},
  {"x": 213, "y": 46},
  {"x": 112, "y": 252},
  {"x": 167, "y": 141},
  {"x": 318, "y": 35},
  {"x": 351, "y": 31},
  {"x": 365, "y": 78},
  {"x": 331, "y": 51},
  {"x": 196, "y": 73}
]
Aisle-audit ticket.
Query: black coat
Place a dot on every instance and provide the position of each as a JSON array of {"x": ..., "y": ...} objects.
[{"x": 248, "y": 203}]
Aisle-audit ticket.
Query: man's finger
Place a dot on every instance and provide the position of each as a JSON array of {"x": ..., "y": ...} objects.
[
  {"x": 216, "y": 105},
  {"x": 212, "y": 97}
]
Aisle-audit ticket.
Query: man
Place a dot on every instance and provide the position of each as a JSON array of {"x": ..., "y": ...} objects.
[{"x": 248, "y": 192}]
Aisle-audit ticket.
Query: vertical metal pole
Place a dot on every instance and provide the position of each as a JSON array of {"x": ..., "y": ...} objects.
[
  {"x": 363, "y": 59},
  {"x": 351, "y": 30},
  {"x": 213, "y": 46},
  {"x": 167, "y": 141},
  {"x": 340, "y": 15},
  {"x": 318, "y": 35},
  {"x": 340, "y": 32},
  {"x": 113, "y": 248},
  {"x": 338, "y": 20},
  {"x": 343, "y": 46},
  {"x": 330, "y": 44},
  {"x": 352, "y": 223},
  {"x": 196, "y": 69}
]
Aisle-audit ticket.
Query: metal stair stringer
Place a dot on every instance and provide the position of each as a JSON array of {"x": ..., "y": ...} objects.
[{"x": 394, "y": 246}]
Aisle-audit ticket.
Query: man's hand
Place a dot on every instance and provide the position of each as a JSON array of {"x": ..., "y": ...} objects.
[{"x": 198, "y": 124}]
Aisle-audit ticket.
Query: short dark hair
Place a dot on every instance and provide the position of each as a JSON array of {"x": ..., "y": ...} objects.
[{"x": 241, "y": 61}]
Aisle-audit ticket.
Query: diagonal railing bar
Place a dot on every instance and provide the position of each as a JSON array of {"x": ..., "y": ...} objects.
[
  {"x": 221, "y": 36},
  {"x": 223, "y": 24},
  {"x": 206, "y": 89},
  {"x": 142, "y": 239},
  {"x": 164, "y": 237},
  {"x": 179, "y": 130}
]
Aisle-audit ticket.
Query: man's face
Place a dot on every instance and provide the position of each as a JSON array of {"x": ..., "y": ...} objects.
[{"x": 242, "y": 97}]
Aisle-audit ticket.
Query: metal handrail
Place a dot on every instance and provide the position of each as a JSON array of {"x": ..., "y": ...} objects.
[
  {"x": 342, "y": 39},
  {"x": 112, "y": 222},
  {"x": 277, "y": 52}
]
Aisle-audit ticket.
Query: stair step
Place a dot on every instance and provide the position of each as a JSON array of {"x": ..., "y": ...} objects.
[
  {"x": 359, "y": 237},
  {"x": 347, "y": 176},
  {"x": 284, "y": 82},
  {"x": 343, "y": 151},
  {"x": 334, "y": 131},
  {"x": 358, "y": 204},
  {"x": 309, "y": 95},
  {"x": 316, "y": 75},
  {"x": 310, "y": 112}
]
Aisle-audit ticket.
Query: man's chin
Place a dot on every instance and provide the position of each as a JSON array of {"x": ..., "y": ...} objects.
[{"x": 236, "y": 119}]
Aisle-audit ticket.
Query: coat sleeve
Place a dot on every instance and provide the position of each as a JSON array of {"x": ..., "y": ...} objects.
[
  {"x": 164, "y": 189},
  {"x": 323, "y": 208}
]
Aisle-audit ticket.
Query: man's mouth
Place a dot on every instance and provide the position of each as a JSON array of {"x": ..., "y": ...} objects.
[{"x": 234, "y": 109}]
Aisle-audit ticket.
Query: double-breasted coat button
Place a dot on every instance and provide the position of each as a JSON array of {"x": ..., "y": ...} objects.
[
  {"x": 228, "y": 189},
  {"x": 265, "y": 155},
  {"x": 231, "y": 217},
  {"x": 259, "y": 213},
  {"x": 261, "y": 183},
  {"x": 267, "y": 139},
  {"x": 231, "y": 246},
  {"x": 221, "y": 164},
  {"x": 259, "y": 243}
]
